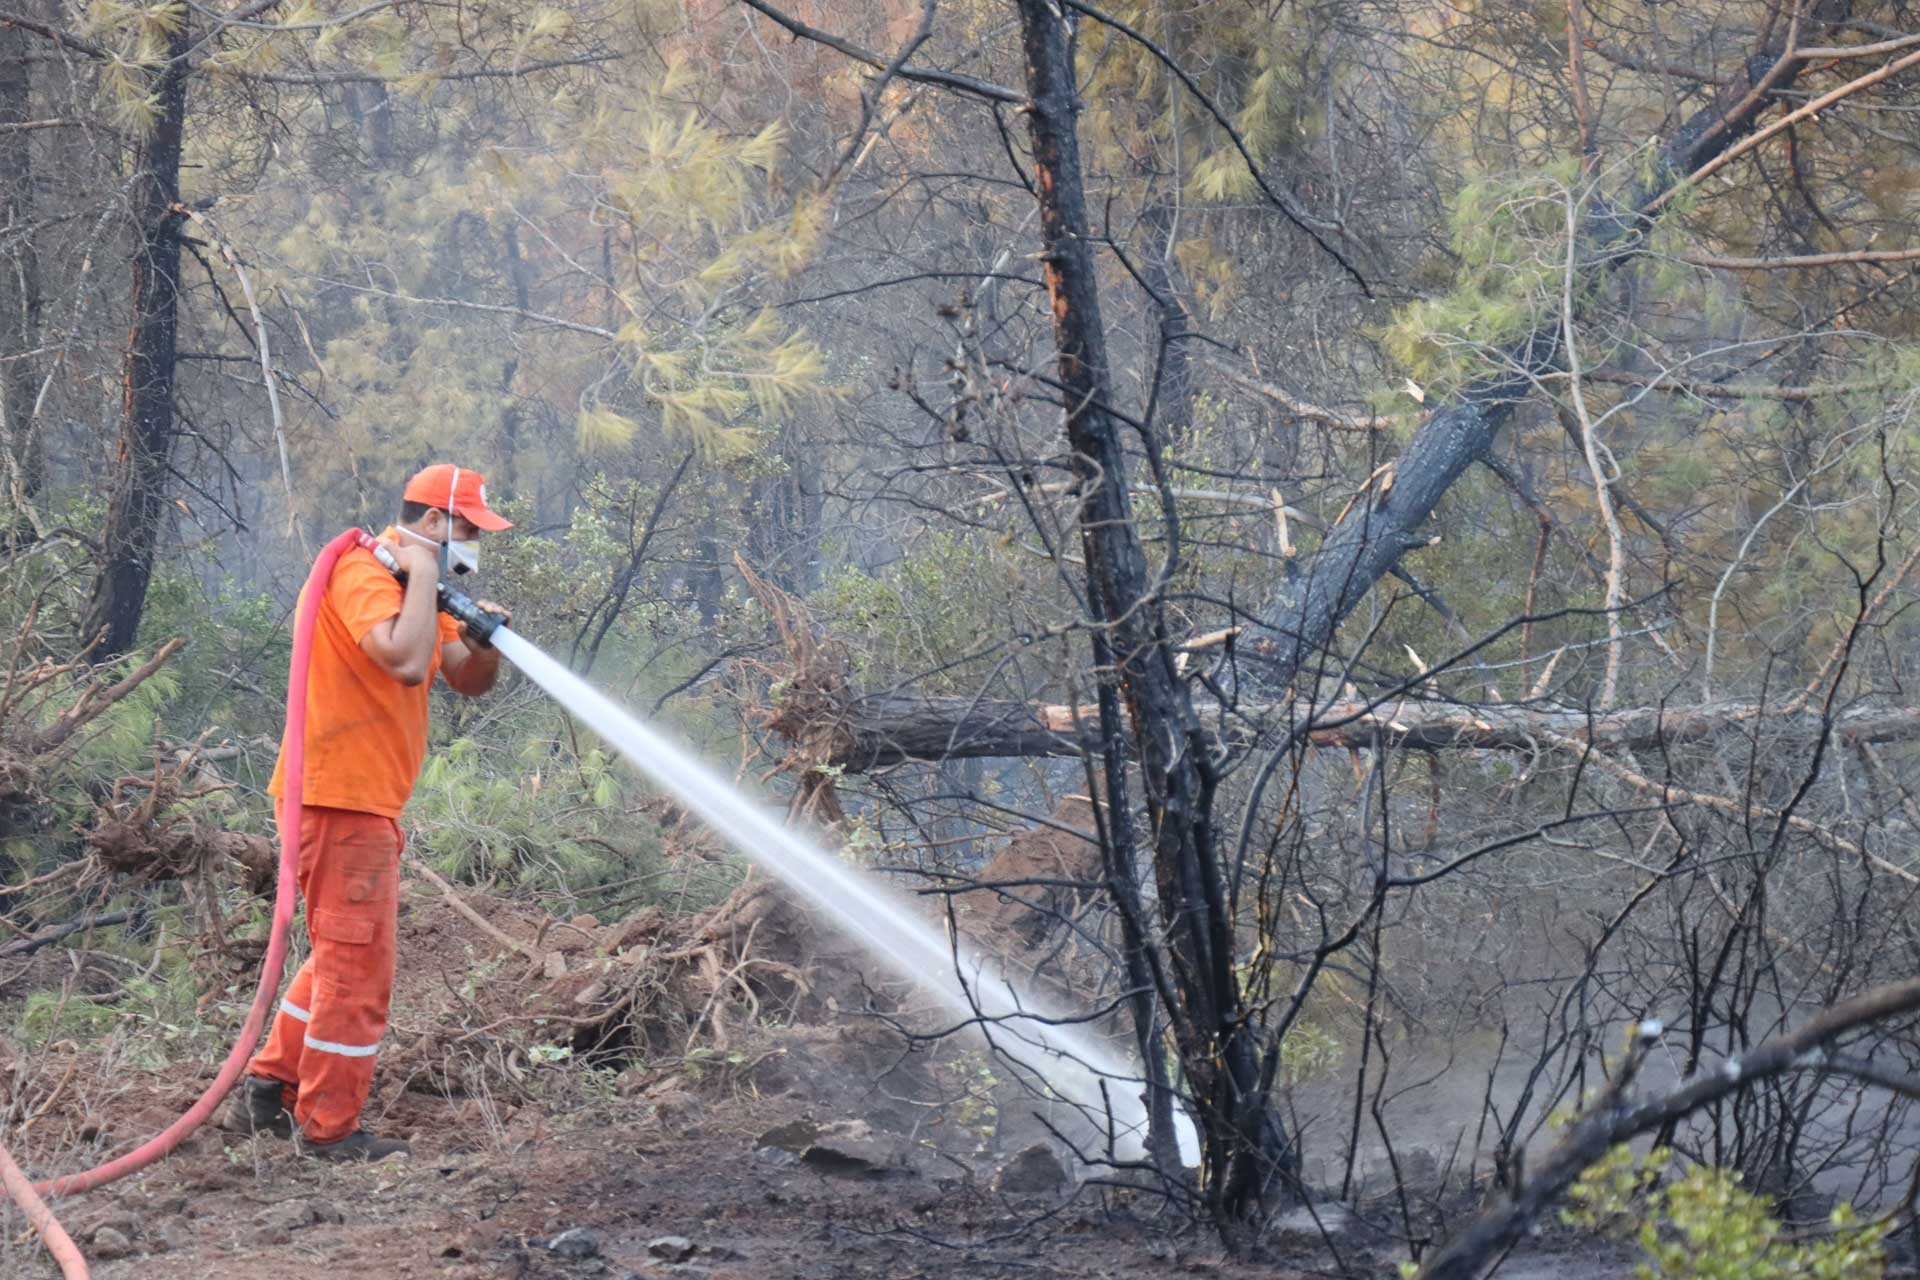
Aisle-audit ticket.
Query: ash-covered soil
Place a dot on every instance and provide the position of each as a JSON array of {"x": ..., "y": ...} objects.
[
  {"x": 625, "y": 1191},
  {"x": 725, "y": 1096}
]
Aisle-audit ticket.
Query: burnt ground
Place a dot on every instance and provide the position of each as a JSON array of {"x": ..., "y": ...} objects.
[
  {"x": 597, "y": 1101},
  {"x": 563, "y": 1076},
  {"x": 236, "y": 1207}
]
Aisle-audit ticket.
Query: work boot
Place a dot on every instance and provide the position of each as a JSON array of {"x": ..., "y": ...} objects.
[
  {"x": 257, "y": 1108},
  {"x": 358, "y": 1145}
]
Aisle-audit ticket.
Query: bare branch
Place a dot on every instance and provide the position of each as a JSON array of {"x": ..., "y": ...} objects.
[
  {"x": 1847, "y": 258},
  {"x": 945, "y": 79},
  {"x": 1616, "y": 1117}
]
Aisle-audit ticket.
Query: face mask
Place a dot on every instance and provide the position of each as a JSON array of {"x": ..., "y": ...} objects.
[{"x": 461, "y": 556}]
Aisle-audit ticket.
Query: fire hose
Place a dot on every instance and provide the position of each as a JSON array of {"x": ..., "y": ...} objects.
[{"x": 28, "y": 1196}]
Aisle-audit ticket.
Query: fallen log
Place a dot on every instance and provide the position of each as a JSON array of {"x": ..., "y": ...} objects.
[{"x": 877, "y": 730}]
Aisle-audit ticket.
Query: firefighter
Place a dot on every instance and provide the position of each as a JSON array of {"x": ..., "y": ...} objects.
[{"x": 377, "y": 645}]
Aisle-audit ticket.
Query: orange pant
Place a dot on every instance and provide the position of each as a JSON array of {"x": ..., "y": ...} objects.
[{"x": 331, "y": 1020}]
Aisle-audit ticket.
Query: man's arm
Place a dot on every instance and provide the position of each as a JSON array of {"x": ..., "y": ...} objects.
[
  {"x": 402, "y": 646},
  {"x": 470, "y": 667}
]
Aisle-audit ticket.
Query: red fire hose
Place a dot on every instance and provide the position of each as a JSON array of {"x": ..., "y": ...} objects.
[{"x": 27, "y": 1196}]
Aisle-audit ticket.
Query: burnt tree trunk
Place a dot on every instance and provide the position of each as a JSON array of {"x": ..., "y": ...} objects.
[
  {"x": 137, "y": 503},
  {"x": 1133, "y": 655},
  {"x": 1385, "y": 522},
  {"x": 19, "y": 286}
]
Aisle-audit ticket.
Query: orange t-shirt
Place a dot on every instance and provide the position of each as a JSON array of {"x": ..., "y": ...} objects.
[{"x": 366, "y": 732}]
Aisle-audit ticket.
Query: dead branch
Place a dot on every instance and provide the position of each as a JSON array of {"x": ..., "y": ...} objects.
[
  {"x": 471, "y": 916},
  {"x": 47, "y": 937},
  {"x": 94, "y": 701},
  {"x": 1759, "y": 136},
  {"x": 1847, "y": 258}
]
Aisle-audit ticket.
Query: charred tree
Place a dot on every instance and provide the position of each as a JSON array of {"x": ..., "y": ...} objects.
[
  {"x": 1386, "y": 519},
  {"x": 137, "y": 503},
  {"x": 1134, "y": 655},
  {"x": 784, "y": 539}
]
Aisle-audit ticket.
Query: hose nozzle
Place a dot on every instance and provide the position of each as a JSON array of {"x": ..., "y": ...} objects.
[{"x": 462, "y": 608}]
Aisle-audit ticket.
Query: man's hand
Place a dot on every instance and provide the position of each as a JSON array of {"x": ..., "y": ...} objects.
[
  {"x": 418, "y": 561},
  {"x": 471, "y": 666},
  {"x": 506, "y": 620}
]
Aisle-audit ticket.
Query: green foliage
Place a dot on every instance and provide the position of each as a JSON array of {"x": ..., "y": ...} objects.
[
  {"x": 948, "y": 598},
  {"x": 1308, "y": 1053},
  {"x": 153, "y": 1010},
  {"x": 1705, "y": 1226},
  {"x": 519, "y": 815},
  {"x": 121, "y": 739},
  {"x": 1508, "y": 235},
  {"x": 1254, "y": 68},
  {"x": 632, "y": 206},
  {"x": 231, "y": 676}
]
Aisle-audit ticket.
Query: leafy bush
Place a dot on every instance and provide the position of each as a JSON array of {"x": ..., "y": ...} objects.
[{"x": 1705, "y": 1226}]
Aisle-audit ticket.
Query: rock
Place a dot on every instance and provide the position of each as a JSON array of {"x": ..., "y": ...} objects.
[
  {"x": 169, "y": 1235},
  {"x": 795, "y": 1136},
  {"x": 669, "y": 1105},
  {"x": 110, "y": 1243},
  {"x": 672, "y": 1248},
  {"x": 554, "y": 966},
  {"x": 294, "y": 1215},
  {"x": 576, "y": 1242},
  {"x": 1034, "y": 1170},
  {"x": 850, "y": 1148}
]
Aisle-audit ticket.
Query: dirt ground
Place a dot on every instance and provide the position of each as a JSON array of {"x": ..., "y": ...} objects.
[
  {"x": 583, "y": 1101},
  {"x": 471, "y": 1205},
  {"x": 617, "y": 1100},
  {"x": 248, "y": 1208}
]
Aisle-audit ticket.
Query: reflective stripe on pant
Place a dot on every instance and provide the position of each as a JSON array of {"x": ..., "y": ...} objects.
[{"x": 329, "y": 1024}]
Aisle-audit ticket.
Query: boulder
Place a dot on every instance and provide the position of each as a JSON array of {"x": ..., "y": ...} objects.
[
  {"x": 110, "y": 1243},
  {"x": 851, "y": 1148},
  {"x": 1034, "y": 1170},
  {"x": 672, "y": 1248}
]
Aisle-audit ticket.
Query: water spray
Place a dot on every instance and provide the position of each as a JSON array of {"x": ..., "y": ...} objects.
[{"x": 1055, "y": 1048}]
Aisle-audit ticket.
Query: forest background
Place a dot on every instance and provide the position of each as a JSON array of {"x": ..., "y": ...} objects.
[{"x": 1440, "y": 473}]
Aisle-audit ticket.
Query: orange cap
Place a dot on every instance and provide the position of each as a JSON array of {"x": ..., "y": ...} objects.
[{"x": 457, "y": 489}]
